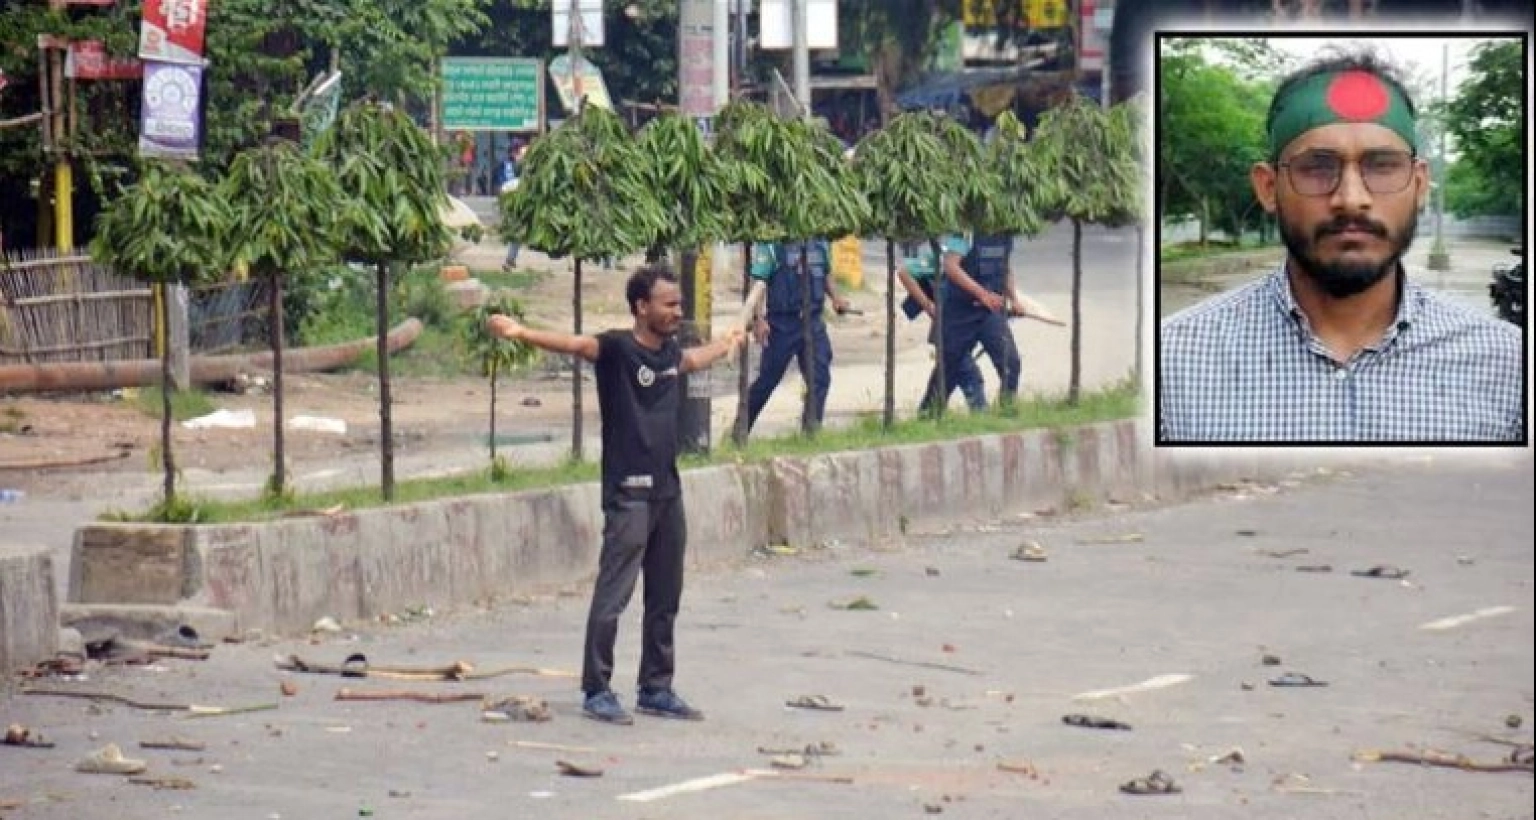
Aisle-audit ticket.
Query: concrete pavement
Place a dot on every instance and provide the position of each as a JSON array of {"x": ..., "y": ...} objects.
[{"x": 1188, "y": 598}]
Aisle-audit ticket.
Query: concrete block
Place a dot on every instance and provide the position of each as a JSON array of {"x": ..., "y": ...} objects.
[
  {"x": 130, "y": 564},
  {"x": 71, "y": 642},
  {"x": 468, "y": 294},
  {"x": 29, "y": 607},
  {"x": 146, "y": 622}
]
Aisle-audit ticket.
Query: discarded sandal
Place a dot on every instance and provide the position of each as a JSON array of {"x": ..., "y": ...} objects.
[
  {"x": 1296, "y": 679},
  {"x": 1029, "y": 551},
  {"x": 1094, "y": 722},
  {"x": 818, "y": 702},
  {"x": 1385, "y": 571},
  {"x": 1155, "y": 783},
  {"x": 355, "y": 666},
  {"x": 570, "y": 769},
  {"x": 109, "y": 760},
  {"x": 19, "y": 735}
]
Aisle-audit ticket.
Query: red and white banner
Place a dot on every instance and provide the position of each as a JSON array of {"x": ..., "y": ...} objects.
[
  {"x": 172, "y": 30},
  {"x": 88, "y": 60}
]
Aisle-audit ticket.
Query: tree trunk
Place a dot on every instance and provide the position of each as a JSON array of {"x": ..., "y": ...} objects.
[
  {"x": 1074, "y": 382},
  {"x": 386, "y": 409},
  {"x": 493, "y": 415},
  {"x": 1205, "y": 222},
  {"x": 808, "y": 420},
  {"x": 277, "y": 484},
  {"x": 940, "y": 398},
  {"x": 1141, "y": 300},
  {"x": 167, "y": 460},
  {"x": 744, "y": 370},
  {"x": 576, "y": 367},
  {"x": 888, "y": 420}
]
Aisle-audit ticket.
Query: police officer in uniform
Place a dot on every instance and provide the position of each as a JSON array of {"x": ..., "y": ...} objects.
[
  {"x": 781, "y": 330},
  {"x": 977, "y": 285}
]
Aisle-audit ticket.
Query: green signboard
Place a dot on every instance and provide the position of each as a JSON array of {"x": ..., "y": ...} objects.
[{"x": 492, "y": 93}]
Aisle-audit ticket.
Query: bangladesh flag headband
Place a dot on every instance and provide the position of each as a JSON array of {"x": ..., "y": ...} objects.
[{"x": 1340, "y": 96}]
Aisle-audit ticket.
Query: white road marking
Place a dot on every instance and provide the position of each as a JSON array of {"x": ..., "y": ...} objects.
[
  {"x": 697, "y": 784},
  {"x": 1158, "y": 682},
  {"x": 1458, "y": 620}
]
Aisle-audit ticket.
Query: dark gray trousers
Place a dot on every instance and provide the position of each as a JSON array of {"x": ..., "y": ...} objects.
[{"x": 648, "y": 536}]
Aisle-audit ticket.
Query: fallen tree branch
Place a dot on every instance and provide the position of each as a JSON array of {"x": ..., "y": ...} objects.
[
  {"x": 1434, "y": 758},
  {"x": 923, "y": 664},
  {"x": 457, "y": 671},
  {"x": 401, "y": 694},
  {"x": 192, "y": 709}
]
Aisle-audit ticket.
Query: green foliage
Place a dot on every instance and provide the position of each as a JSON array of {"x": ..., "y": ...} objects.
[
  {"x": 691, "y": 181},
  {"x": 285, "y": 203},
  {"x": 1092, "y": 159},
  {"x": 172, "y": 226},
  {"x": 1025, "y": 176},
  {"x": 390, "y": 47},
  {"x": 185, "y": 404},
  {"x": 1211, "y": 121},
  {"x": 392, "y": 176},
  {"x": 493, "y": 355},
  {"x": 1485, "y": 120},
  {"x": 585, "y": 191},
  {"x": 790, "y": 180},
  {"x": 917, "y": 186}
]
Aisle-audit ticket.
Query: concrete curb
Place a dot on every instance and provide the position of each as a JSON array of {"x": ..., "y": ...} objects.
[
  {"x": 29, "y": 608},
  {"x": 282, "y": 576}
]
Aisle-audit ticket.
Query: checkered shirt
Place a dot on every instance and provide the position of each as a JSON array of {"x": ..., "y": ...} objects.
[{"x": 1245, "y": 366}]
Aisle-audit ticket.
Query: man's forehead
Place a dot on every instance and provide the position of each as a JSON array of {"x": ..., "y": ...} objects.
[{"x": 1347, "y": 138}]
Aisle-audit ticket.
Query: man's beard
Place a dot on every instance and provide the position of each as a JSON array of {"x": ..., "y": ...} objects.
[{"x": 1343, "y": 278}]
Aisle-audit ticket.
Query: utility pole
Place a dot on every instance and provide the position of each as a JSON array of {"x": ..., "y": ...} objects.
[
  {"x": 1439, "y": 257},
  {"x": 802, "y": 54},
  {"x": 573, "y": 43}
]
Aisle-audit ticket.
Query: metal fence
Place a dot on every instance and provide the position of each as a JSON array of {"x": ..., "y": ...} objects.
[{"x": 58, "y": 306}]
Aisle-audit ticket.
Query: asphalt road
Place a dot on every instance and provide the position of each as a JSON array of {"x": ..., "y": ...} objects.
[{"x": 1192, "y": 602}]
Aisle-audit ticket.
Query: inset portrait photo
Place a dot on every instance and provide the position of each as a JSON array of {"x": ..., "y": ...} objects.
[{"x": 1340, "y": 237}]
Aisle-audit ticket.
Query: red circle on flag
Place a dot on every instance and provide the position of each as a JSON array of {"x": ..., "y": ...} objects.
[{"x": 1358, "y": 95}]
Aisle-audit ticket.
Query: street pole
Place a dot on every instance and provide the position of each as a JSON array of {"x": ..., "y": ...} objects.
[
  {"x": 802, "y": 55},
  {"x": 1439, "y": 257},
  {"x": 573, "y": 42}
]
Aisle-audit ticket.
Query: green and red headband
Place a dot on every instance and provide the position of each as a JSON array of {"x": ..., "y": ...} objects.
[{"x": 1339, "y": 96}]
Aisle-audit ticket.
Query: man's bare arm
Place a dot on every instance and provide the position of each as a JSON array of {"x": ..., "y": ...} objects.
[
  {"x": 506, "y": 327},
  {"x": 705, "y": 355}
]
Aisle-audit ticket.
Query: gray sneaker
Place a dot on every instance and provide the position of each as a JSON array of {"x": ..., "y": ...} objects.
[
  {"x": 605, "y": 707},
  {"x": 665, "y": 703}
]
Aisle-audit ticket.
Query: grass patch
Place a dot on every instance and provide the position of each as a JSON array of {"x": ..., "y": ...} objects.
[
  {"x": 1112, "y": 404},
  {"x": 514, "y": 280},
  {"x": 185, "y": 404},
  {"x": 12, "y": 420}
]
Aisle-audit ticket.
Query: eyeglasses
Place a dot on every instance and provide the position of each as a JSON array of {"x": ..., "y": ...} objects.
[{"x": 1318, "y": 173}]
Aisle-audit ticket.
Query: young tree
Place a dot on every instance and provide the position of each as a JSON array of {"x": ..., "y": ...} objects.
[
  {"x": 168, "y": 228},
  {"x": 829, "y": 203},
  {"x": 584, "y": 192},
  {"x": 747, "y": 136},
  {"x": 285, "y": 203},
  {"x": 916, "y": 193},
  {"x": 1097, "y": 174},
  {"x": 392, "y": 175},
  {"x": 494, "y": 356}
]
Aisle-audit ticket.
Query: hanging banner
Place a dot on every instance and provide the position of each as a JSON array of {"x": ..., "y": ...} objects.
[
  {"x": 172, "y": 30},
  {"x": 88, "y": 60},
  {"x": 171, "y": 119},
  {"x": 586, "y": 82}
]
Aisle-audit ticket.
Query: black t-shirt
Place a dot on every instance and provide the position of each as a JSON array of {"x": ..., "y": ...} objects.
[{"x": 638, "y": 396}]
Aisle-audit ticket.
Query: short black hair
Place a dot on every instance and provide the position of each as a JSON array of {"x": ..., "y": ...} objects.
[
  {"x": 1336, "y": 59},
  {"x": 643, "y": 281}
]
